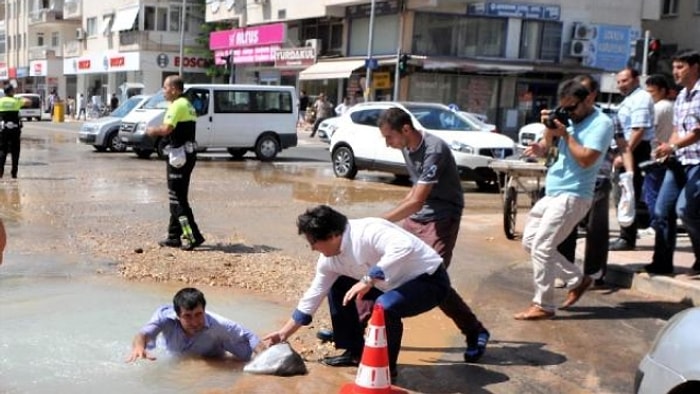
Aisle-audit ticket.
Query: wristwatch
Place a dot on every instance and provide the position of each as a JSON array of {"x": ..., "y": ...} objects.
[
  {"x": 367, "y": 280},
  {"x": 673, "y": 147}
]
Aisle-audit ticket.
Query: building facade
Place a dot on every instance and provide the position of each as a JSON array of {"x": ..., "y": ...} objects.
[
  {"x": 501, "y": 58},
  {"x": 98, "y": 47}
]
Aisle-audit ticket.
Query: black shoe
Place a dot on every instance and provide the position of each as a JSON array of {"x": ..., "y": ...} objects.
[
  {"x": 621, "y": 244},
  {"x": 654, "y": 269},
  {"x": 695, "y": 268},
  {"x": 476, "y": 346},
  {"x": 170, "y": 243},
  {"x": 325, "y": 335},
  {"x": 191, "y": 245},
  {"x": 347, "y": 359}
]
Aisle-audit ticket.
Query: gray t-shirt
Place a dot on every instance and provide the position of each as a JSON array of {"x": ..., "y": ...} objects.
[{"x": 433, "y": 163}]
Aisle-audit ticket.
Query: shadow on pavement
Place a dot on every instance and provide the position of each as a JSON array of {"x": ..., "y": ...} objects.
[
  {"x": 237, "y": 248},
  {"x": 448, "y": 378},
  {"x": 632, "y": 310}
]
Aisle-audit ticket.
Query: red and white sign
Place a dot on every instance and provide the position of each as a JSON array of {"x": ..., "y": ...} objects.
[
  {"x": 295, "y": 57},
  {"x": 38, "y": 68},
  {"x": 251, "y": 36},
  {"x": 102, "y": 63}
]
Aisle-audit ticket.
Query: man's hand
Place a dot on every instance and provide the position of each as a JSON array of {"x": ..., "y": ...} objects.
[
  {"x": 137, "y": 353},
  {"x": 663, "y": 150},
  {"x": 272, "y": 338},
  {"x": 358, "y": 290},
  {"x": 534, "y": 150}
]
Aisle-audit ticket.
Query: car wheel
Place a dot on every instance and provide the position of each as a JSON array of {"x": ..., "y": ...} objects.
[
  {"x": 115, "y": 143},
  {"x": 160, "y": 145},
  {"x": 267, "y": 147},
  {"x": 143, "y": 153},
  {"x": 237, "y": 153},
  {"x": 100, "y": 148},
  {"x": 510, "y": 211},
  {"x": 344, "y": 163}
]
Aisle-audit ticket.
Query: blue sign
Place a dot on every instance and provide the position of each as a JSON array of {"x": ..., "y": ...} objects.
[
  {"x": 371, "y": 63},
  {"x": 610, "y": 49},
  {"x": 508, "y": 10}
]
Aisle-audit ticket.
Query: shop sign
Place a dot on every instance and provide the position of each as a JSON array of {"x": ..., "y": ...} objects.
[
  {"x": 4, "y": 74},
  {"x": 110, "y": 62},
  {"x": 380, "y": 8},
  {"x": 22, "y": 72},
  {"x": 252, "y": 36},
  {"x": 295, "y": 57},
  {"x": 510, "y": 10},
  {"x": 191, "y": 62},
  {"x": 38, "y": 68},
  {"x": 381, "y": 80},
  {"x": 247, "y": 55}
]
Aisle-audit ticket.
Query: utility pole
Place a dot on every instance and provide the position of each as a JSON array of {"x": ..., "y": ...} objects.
[
  {"x": 645, "y": 55},
  {"x": 370, "y": 42},
  {"x": 183, "y": 14},
  {"x": 397, "y": 74}
]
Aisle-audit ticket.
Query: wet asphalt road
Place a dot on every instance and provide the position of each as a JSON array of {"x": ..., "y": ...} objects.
[{"x": 593, "y": 347}]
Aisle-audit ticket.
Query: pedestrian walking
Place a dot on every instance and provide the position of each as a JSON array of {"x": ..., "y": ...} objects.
[
  {"x": 323, "y": 109},
  {"x": 179, "y": 130},
  {"x": 113, "y": 102},
  {"x": 81, "y": 107},
  {"x": 583, "y": 138},
  {"x": 303, "y": 105}
]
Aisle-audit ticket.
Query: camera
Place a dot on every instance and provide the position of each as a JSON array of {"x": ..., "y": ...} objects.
[{"x": 559, "y": 114}]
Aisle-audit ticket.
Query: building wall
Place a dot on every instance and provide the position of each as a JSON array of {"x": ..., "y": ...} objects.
[{"x": 683, "y": 28}]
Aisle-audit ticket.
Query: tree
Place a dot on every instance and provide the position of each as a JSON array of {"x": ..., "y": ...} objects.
[{"x": 202, "y": 49}]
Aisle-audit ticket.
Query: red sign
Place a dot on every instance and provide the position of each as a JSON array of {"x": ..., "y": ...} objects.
[
  {"x": 83, "y": 65},
  {"x": 117, "y": 61},
  {"x": 197, "y": 62},
  {"x": 37, "y": 68}
]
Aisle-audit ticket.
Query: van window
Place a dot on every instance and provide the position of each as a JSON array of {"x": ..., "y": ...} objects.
[
  {"x": 156, "y": 102},
  {"x": 199, "y": 99},
  {"x": 252, "y": 101}
]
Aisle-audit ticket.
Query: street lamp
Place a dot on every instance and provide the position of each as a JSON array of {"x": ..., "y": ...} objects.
[{"x": 182, "y": 36}]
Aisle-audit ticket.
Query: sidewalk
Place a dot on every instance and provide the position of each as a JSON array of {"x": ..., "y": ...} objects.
[{"x": 624, "y": 267}]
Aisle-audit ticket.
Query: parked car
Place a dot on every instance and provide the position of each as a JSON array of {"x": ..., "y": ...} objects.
[
  {"x": 672, "y": 364},
  {"x": 357, "y": 143},
  {"x": 34, "y": 110},
  {"x": 327, "y": 128},
  {"x": 530, "y": 133},
  {"x": 480, "y": 120},
  {"x": 103, "y": 133}
]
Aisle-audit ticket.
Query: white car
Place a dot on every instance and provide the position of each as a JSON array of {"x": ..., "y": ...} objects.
[
  {"x": 530, "y": 133},
  {"x": 327, "y": 128},
  {"x": 480, "y": 120},
  {"x": 672, "y": 365},
  {"x": 357, "y": 144},
  {"x": 103, "y": 133}
]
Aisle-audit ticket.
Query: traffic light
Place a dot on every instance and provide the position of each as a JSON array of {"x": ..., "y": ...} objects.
[
  {"x": 653, "y": 55},
  {"x": 403, "y": 65}
]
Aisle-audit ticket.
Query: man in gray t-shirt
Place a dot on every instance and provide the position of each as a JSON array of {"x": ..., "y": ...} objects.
[{"x": 432, "y": 210}]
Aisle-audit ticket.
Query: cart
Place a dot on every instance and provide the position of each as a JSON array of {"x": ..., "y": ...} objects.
[{"x": 519, "y": 176}]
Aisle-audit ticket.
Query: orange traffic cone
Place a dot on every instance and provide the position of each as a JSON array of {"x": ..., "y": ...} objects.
[{"x": 373, "y": 373}]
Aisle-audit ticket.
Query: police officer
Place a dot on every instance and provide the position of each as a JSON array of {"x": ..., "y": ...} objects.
[
  {"x": 11, "y": 128},
  {"x": 179, "y": 128}
]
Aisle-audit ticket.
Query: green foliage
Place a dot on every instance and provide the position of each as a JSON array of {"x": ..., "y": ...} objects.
[{"x": 202, "y": 49}]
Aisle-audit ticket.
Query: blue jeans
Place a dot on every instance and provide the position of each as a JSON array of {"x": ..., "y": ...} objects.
[
  {"x": 650, "y": 190},
  {"x": 679, "y": 197},
  {"x": 412, "y": 298}
]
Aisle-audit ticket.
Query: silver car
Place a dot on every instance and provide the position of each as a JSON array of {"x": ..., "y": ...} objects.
[
  {"x": 103, "y": 133},
  {"x": 673, "y": 363}
]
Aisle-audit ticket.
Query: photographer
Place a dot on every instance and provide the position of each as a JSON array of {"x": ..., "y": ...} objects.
[
  {"x": 584, "y": 134},
  {"x": 678, "y": 196}
]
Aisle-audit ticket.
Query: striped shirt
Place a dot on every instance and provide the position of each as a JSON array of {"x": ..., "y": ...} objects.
[{"x": 686, "y": 118}]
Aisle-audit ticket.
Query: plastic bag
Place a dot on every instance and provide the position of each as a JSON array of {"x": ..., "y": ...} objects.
[
  {"x": 177, "y": 157},
  {"x": 279, "y": 359},
  {"x": 625, "y": 208}
]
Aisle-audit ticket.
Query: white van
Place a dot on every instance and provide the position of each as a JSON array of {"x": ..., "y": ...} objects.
[{"x": 239, "y": 118}]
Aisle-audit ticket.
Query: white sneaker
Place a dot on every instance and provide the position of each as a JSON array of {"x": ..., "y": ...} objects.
[{"x": 646, "y": 233}]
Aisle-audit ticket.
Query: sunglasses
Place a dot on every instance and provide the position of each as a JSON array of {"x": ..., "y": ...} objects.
[{"x": 571, "y": 108}]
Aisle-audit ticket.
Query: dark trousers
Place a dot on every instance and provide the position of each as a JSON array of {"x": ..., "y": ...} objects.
[
  {"x": 412, "y": 298},
  {"x": 316, "y": 123},
  {"x": 597, "y": 225},
  {"x": 178, "y": 189},
  {"x": 650, "y": 190},
  {"x": 641, "y": 218},
  {"x": 679, "y": 197},
  {"x": 10, "y": 143},
  {"x": 441, "y": 235}
]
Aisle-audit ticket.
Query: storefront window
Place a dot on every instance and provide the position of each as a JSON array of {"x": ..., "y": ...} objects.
[
  {"x": 456, "y": 35},
  {"x": 330, "y": 34},
  {"x": 540, "y": 40}
]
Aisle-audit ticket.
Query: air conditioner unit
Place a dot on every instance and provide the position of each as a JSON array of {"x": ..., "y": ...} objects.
[
  {"x": 79, "y": 34},
  {"x": 580, "y": 48},
  {"x": 583, "y": 31},
  {"x": 315, "y": 43}
]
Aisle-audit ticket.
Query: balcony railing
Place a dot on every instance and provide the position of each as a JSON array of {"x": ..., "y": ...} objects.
[
  {"x": 72, "y": 48},
  {"x": 45, "y": 15},
  {"x": 73, "y": 9},
  {"x": 41, "y": 53},
  {"x": 151, "y": 41}
]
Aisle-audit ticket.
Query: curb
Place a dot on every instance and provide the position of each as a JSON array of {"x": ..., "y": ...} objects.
[{"x": 667, "y": 287}]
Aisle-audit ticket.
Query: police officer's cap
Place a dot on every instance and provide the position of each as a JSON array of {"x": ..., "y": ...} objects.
[{"x": 9, "y": 89}]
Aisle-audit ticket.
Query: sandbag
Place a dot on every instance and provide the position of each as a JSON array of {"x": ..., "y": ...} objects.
[{"x": 279, "y": 360}]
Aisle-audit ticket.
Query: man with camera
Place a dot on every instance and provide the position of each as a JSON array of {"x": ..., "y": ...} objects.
[
  {"x": 636, "y": 115},
  {"x": 584, "y": 133},
  {"x": 678, "y": 196}
]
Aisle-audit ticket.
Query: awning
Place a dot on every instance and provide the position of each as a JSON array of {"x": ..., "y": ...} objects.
[
  {"x": 331, "y": 70},
  {"x": 125, "y": 19}
]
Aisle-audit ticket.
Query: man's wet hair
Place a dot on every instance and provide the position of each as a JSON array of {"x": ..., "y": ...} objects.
[
  {"x": 321, "y": 223},
  {"x": 659, "y": 81},
  {"x": 571, "y": 87},
  {"x": 395, "y": 118},
  {"x": 176, "y": 81},
  {"x": 188, "y": 299},
  {"x": 9, "y": 89},
  {"x": 587, "y": 79},
  {"x": 689, "y": 56}
]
